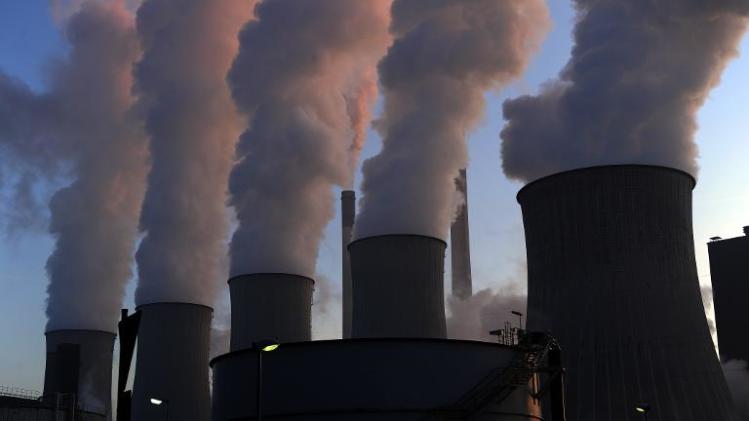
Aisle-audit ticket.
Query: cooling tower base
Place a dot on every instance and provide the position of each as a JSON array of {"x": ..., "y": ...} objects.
[{"x": 370, "y": 379}]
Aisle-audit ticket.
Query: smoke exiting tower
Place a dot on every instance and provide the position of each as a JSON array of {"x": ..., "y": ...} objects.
[
  {"x": 459, "y": 243},
  {"x": 612, "y": 274}
]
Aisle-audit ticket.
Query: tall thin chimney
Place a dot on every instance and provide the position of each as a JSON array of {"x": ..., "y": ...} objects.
[
  {"x": 460, "y": 253},
  {"x": 348, "y": 215}
]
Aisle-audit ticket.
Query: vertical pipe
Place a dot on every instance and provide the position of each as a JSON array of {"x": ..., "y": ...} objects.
[
  {"x": 348, "y": 215},
  {"x": 459, "y": 243}
]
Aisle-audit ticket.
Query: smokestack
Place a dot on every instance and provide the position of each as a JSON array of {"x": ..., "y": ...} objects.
[
  {"x": 270, "y": 306},
  {"x": 172, "y": 362},
  {"x": 460, "y": 253},
  {"x": 79, "y": 367},
  {"x": 612, "y": 274},
  {"x": 398, "y": 287},
  {"x": 348, "y": 215}
]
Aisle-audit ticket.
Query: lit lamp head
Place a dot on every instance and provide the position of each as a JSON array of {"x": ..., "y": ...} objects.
[
  {"x": 157, "y": 401},
  {"x": 266, "y": 345},
  {"x": 643, "y": 408}
]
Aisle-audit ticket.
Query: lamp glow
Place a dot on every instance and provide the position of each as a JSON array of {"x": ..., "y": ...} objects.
[
  {"x": 156, "y": 401},
  {"x": 270, "y": 347}
]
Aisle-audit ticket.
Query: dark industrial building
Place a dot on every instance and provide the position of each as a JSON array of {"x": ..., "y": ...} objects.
[
  {"x": 612, "y": 273},
  {"x": 729, "y": 271}
]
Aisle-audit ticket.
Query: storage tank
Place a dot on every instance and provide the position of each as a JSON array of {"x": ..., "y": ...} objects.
[
  {"x": 460, "y": 252},
  {"x": 270, "y": 306},
  {"x": 172, "y": 363},
  {"x": 398, "y": 286},
  {"x": 348, "y": 215},
  {"x": 376, "y": 379},
  {"x": 79, "y": 368},
  {"x": 612, "y": 274}
]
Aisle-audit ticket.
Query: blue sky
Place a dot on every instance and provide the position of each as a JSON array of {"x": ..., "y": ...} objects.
[{"x": 29, "y": 39}]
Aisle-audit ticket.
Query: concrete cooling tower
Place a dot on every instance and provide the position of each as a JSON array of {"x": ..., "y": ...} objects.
[
  {"x": 398, "y": 287},
  {"x": 172, "y": 363},
  {"x": 612, "y": 274},
  {"x": 79, "y": 368},
  {"x": 270, "y": 306}
]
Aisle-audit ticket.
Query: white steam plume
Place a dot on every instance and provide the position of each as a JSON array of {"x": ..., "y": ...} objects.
[
  {"x": 446, "y": 55},
  {"x": 302, "y": 79},
  {"x": 474, "y": 317},
  {"x": 188, "y": 46},
  {"x": 94, "y": 220},
  {"x": 640, "y": 70}
]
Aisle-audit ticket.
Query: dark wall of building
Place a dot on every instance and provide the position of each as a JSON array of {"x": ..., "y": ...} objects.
[
  {"x": 729, "y": 270},
  {"x": 612, "y": 274}
]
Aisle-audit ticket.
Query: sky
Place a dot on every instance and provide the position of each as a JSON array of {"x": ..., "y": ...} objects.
[{"x": 29, "y": 39}]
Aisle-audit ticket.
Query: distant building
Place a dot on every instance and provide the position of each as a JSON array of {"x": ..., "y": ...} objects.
[{"x": 729, "y": 269}]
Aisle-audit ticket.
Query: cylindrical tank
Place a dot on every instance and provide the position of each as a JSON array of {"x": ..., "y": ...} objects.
[
  {"x": 348, "y": 215},
  {"x": 270, "y": 306},
  {"x": 612, "y": 275},
  {"x": 398, "y": 287},
  {"x": 172, "y": 363},
  {"x": 374, "y": 379},
  {"x": 79, "y": 368}
]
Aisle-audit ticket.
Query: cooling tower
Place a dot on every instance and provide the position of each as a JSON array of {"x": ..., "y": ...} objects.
[
  {"x": 79, "y": 367},
  {"x": 172, "y": 363},
  {"x": 612, "y": 274},
  {"x": 348, "y": 214},
  {"x": 270, "y": 306},
  {"x": 459, "y": 244},
  {"x": 398, "y": 287}
]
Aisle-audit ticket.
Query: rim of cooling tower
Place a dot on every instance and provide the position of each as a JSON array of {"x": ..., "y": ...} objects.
[
  {"x": 79, "y": 330},
  {"x": 604, "y": 167},
  {"x": 269, "y": 274},
  {"x": 176, "y": 303},
  {"x": 322, "y": 342},
  {"x": 426, "y": 237}
]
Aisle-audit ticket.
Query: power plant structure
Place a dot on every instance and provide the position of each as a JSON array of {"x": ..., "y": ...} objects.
[
  {"x": 615, "y": 322},
  {"x": 348, "y": 217},
  {"x": 612, "y": 274},
  {"x": 171, "y": 376},
  {"x": 729, "y": 272},
  {"x": 460, "y": 254}
]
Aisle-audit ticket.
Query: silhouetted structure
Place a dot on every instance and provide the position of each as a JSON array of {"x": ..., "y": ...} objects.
[
  {"x": 612, "y": 275},
  {"x": 729, "y": 270},
  {"x": 348, "y": 216},
  {"x": 460, "y": 254}
]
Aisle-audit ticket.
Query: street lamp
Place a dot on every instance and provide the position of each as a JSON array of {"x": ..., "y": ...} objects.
[
  {"x": 643, "y": 409},
  {"x": 262, "y": 347},
  {"x": 159, "y": 402}
]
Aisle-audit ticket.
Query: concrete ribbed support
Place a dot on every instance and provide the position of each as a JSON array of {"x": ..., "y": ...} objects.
[
  {"x": 348, "y": 215},
  {"x": 398, "y": 287},
  {"x": 612, "y": 274},
  {"x": 172, "y": 362},
  {"x": 270, "y": 306},
  {"x": 460, "y": 254},
  {"x": 79, "y": 362}
]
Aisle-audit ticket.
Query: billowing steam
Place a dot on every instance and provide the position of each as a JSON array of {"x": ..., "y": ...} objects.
[
  {"x": 303, "y": 81},
  {"x": 188, "y": 47},
  {"x": 446, "y": 55},
  {"x": 639, "y": 72},
  {"x": 474, "y": 317},
  {"x": 80, "y": 129}
]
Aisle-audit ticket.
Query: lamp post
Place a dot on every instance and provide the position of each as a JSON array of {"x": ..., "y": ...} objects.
[
  {"x": 261, "y": 348},
  {"x": 159, "y": 402},
  {"x": 520, "y": 318},
  {"x": 643, "y": 409}
]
